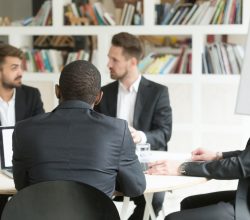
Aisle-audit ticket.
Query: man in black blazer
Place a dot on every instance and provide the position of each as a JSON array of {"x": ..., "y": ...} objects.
[
  {"x": 143, "y": 103},
  {"x": 73, "y": 142},
  {"x": 229, "y": 205},
  {"x": 22, "y": 101},
  {"x": 17, "y": 101}
]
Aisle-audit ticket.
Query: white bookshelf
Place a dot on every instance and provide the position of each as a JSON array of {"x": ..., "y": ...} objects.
[{"x": 203, "y": 105}]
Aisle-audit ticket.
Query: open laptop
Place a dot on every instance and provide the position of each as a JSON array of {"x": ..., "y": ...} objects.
[{"x": 6, "y": 150}]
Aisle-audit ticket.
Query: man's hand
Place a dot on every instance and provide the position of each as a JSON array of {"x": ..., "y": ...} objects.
[
  {"x": 205, "y": 155},
  {"x": 164, "y": 167},
  {"x": 135, "y": 135}
]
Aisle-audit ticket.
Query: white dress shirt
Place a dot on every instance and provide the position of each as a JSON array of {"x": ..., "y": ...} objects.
[
  {"x": 7, "y": 111},
  {"x": 126, "y": 104}
]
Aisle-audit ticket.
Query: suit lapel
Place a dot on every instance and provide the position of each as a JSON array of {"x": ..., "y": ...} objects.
[
  {"x": 19, "y": 105},
  {"x": 142, "y": 94},
  {"x": 112, "y": 99}
]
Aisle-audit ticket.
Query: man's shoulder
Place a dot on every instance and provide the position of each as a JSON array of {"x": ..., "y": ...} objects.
[
  {"x": 153, "y": 84},
  {"x": 28, "y": 89},
  {"x": 31, "y": 120},
  {"x": 110, "y": 86},
  {"x": 116, "y": 122}
]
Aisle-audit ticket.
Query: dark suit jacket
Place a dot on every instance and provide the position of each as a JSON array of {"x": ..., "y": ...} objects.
[
  {"x": 235, "y": 165},
  {"x": 28, "y": 102},
  {"x": 152, "y": 114},
  {"x": 74, "y": 142}
]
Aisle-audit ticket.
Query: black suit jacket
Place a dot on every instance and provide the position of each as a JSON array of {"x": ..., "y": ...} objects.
[
  {"x": 28, "y": 102},
  {"x": 152, "y": 114},
  {"x": 76, "y": 143},
  {"x": 235, "y": 165}
]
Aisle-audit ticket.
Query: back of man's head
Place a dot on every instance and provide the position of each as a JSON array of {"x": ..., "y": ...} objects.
[
  {"x": 7, "y": 50},
  {"x": 80, "y": 80},
  {"x": 131, "y": 44}
]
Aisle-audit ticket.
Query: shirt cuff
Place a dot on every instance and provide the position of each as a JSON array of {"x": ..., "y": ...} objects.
[{"x": 143, "y": 137}]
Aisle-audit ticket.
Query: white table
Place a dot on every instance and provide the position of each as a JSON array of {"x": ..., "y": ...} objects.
[
  {"x": 161, "y": 183},
  {"x": 6, "y": 185},
  {"x": 154, "y": 183}
]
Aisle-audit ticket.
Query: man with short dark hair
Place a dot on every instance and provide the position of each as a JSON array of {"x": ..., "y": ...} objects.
[
  {"x": 73, "y": 142},
  {"x": 17, "y": 101},
  {"x": 143, "y": 103}
]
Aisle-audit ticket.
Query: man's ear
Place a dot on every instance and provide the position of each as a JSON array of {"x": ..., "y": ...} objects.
[
  {"x": 134, "y": 61},
  {"x": 57, "y": 91},
  {"x": 98, "y": 98}
]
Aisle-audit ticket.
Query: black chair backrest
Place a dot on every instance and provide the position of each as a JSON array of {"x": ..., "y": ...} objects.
[{"x": 60, "y": 200}]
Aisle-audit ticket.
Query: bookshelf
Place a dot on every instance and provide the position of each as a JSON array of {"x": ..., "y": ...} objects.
[{"x": 203, "y": 104}]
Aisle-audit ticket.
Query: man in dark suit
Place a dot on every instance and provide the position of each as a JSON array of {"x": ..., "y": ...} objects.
[
  {"x": 143, "y": 103},
  {"x": 17, "y": 101},
  {"x": 229, "y": 205},
  {"x": 73, "y": 142}
]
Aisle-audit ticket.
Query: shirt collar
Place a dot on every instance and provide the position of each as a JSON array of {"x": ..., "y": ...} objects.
[
  {"x": 134, "y": 87},
  {"x": 12, "y": 100}
]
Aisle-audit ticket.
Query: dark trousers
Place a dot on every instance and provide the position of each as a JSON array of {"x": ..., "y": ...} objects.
[
  {"x": 216, "y": 206},
  {"x": 158, "y": 199}
]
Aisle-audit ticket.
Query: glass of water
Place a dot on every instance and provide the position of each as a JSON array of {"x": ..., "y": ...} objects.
[{"x": 143, "y": 153}]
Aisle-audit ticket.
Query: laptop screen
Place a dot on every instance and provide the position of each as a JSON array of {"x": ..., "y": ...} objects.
[{"x": 6, "y": 146}]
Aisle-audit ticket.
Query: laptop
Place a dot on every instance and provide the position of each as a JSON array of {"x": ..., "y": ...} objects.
[{"x": 6, "y": 150}]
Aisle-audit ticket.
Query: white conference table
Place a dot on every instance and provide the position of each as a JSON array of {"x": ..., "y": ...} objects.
[
  {"x": 6, "y": 184},
  {"x": 162, "y": 183},
  {"x": 154, "y": 183}
]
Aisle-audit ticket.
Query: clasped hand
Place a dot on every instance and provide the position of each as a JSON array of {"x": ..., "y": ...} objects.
[{"x": 171, "y": 167}]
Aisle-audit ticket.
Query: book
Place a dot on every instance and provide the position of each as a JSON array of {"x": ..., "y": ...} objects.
[
  {"x": 204, "y": 64},
  {"x": 137, "y": 19},
  {"x": 190, "y": 14},
  {"x": 232, "y": 15},
  {"x": 171, "y": 13},
  {"x": 145, "y": 62},
  {"x": 183, "y": 13},
  {"x": 90, "y": 13},
  {"x": 108, "y": 18},
  {"x": 129, "y": 14},
  {"x": 169, "y": 65},
  {"x": 175, "y": 17},
  {"x": 42, "y": 14},
  {"x": 46, "y": 61},
  {"x": 227, "y": 12},
  {"x": 218, "y": 11},
  {"x": 209, "y": 12},
  {"x": 232, "y": 59},
  {"x": 204, "y": 9},
  {"x": 198, "y": 13},
  {"x": 98, "y": 9},
  {"x": 225, "y": 59},
  {"x": 159, "y": 11},
  {"x": 238, "y": 19},
  {"x": 124, "y": 11},
  {"x": 217, "y": 46}
]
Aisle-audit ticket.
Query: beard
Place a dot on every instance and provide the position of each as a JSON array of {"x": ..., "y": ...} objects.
[
  {"x": 117, "y": 76},
  {"x": 11, "y": 85}
]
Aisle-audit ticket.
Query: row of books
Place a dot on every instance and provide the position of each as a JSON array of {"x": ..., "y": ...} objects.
[
  {"x": 83, "y": 13},
  {"x": 50, "y": 61},
  {"x": 131, "y": 14},
  {"x": 87, "y": 14},
  {"x": 174, "y": 61},
  {"x": 222, "y": 58},
  {"x": 199, "y": 13}
]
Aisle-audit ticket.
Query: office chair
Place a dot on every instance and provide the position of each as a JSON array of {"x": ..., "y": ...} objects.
[{"x": 60, "y": 200}]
